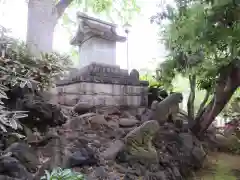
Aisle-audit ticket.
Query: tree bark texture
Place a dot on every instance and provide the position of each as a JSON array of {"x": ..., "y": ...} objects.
[
  {"x": 228, "y": 82},
  {"x": 191, "y": 98},
  {"x": 202, "y": 105},
  {"x": 43, "y": 16}
]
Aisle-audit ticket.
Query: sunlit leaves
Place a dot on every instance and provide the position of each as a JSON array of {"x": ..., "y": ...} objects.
[
  {"x": 202, "y": 38},
  {"x": 63, "y": 174},
  {"x": 116, "y": 10}
]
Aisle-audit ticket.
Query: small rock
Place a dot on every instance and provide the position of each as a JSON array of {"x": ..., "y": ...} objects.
[
  {"x": 100, "y": 172},
  {"x": 25, "y": 155},
  {"x": 98, "y": 119},
  {"x": 41, "y": 113},
  {"x": 147, "y": 115},
  {"x": 11, "y": 167},
  {"x": 89, "y": 177},
  {"x": 128, "y": 115},
  {"x": 86, "y": 115},
  {"x": 141, "y": 110},
  {"x": 221, "y": 139},
  {"x": 2, "y": 177},
  {"x": 91, "y": 135},
  {"x": 83, "y": 157},
  {"x": 82, "y": 107},
  {"x": 113, "y": 123},
  {"x": 154, "y": 105},
  {"x": 78, "y": 121},
  {"x": 134, "y": 74},
  {"x": 41, "y": 171},
  {"x": 194, "y": 146},
  {"x": 111, "y": 152},
  {"x": 31, "y": 136},
  {"x": 97, "y": 143},
  {"x": 126, "y": 122},
  {"x": 176, "y": 172},
  {"x": 112, "y": 111}
]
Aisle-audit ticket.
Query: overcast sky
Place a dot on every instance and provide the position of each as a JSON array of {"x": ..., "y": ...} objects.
[{"x": 143, "y": 40}]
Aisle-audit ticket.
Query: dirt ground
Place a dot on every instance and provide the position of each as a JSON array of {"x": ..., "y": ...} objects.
[{"x": 220, "y": 166}]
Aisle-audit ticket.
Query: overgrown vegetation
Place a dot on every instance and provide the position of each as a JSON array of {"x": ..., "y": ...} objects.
[
  {"x": 207, "y": 53},
  {"x": 19, "y": 68}
]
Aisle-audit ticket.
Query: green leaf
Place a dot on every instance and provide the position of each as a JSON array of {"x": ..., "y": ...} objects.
[
  {"x": 20, "y": 136},
  {"x": 13, "y": 124},
  {"x": 2, "y": 127}
]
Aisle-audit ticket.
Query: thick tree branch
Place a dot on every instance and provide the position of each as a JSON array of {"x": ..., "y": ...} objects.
[
  {"x": 191, "y": 98},
  {"x": 61, "y": 6},
  {"x": 202, "y": 105},
  {"x": 226, "y": 85}
]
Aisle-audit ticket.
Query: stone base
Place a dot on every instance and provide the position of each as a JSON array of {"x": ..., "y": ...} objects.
[
  {"x": 101, "y": 94},
  {"x": 102, "y": 84}
]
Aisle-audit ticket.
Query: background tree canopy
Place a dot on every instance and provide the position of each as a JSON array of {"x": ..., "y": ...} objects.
[{"x": 203, "y": 44}]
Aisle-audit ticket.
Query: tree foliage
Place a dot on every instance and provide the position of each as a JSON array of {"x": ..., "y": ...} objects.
[{"x": 203, "y": 42}]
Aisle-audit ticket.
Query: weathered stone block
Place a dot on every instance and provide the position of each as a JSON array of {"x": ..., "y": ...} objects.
[
  {"x": 72, "y": 88},
  {"x": 69, "y": 99},
  {"x": 101, "y": 84},
  {"x": 116, "y": 89}
]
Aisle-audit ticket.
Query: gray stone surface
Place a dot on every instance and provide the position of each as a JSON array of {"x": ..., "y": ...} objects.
[
  {"x": 101, "y": 84},
  {"x": 96, "y": 40},
  {"x": 127, "y": 122},
  {"x": 114, "y": 148},
  {"x": 139, "y": 141},
  {"x": 102, "y": 73},
  {"x": 101, "y": 94},
  {"x": 169, "y": 106}
]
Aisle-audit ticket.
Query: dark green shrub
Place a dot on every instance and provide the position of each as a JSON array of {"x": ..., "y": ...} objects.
[{"x": 19, "y": 68}]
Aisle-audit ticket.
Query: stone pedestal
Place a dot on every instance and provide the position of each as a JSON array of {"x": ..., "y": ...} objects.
[
  {"x": 101, "y": 84},
  {"x": 96, "y": 40}
]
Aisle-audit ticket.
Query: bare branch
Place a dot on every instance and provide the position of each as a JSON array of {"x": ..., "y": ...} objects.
[{"x": 61, "y": 6}]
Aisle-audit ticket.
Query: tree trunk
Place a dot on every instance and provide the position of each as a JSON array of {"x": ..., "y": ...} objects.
[
  {"x": 191, "y": 98},
  {"x": 42, "y": 19},
  {"x": 202, "y": 105},
  {"x": 228, "y": 82}
]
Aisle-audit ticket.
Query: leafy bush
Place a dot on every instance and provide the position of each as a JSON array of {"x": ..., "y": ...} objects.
[
  {"x": 8, "y": 119},
  {"x": 19, "y": 68},
  {"x": 22, "y": 67},
  {"x": 62, "y": 174}
]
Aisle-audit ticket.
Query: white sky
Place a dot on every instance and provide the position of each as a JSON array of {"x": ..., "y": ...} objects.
[{"x": 143, "y": 40}]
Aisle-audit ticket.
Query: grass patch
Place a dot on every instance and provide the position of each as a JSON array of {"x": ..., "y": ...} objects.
[
  {"x": 217, "y": 169},
  {"x": 223, "y": 172}
]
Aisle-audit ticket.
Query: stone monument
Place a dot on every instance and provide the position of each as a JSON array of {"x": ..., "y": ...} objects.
[
  {"x": 102, "y": 84},
  {"x": 96, "y": 40},
  {"x": 99, "y": 81}
]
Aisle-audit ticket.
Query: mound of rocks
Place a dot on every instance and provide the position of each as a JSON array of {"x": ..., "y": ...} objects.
[
  {"x": 41, "y": 112},
  {"x": 112, "y": 143}
]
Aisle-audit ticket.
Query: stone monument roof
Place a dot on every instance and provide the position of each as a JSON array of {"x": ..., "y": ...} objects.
[
  {"x": 89, "y": 27},
  {"x": 85, "y": 16}
]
